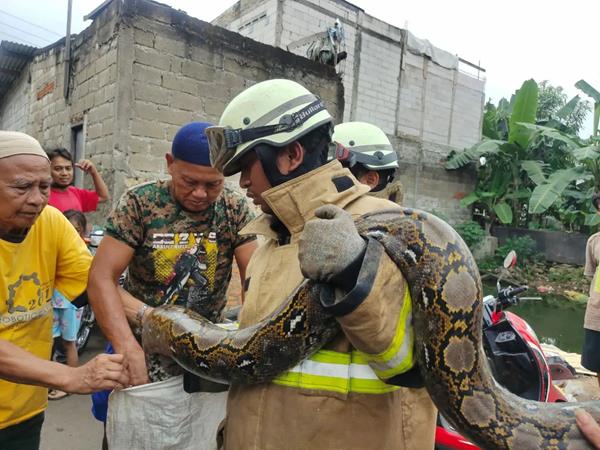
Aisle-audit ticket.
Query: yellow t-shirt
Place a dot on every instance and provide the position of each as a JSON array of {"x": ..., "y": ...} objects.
[{"x": 52, "y": 255}]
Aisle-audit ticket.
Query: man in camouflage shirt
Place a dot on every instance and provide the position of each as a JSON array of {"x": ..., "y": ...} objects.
[{"x": 178, "y": 237}]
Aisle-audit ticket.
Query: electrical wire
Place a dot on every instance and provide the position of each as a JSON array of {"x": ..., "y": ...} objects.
[
  {"x": 30, "y": 23},
  {"x": 48, "y": 40},
  {"x": 19, "y": 39}
]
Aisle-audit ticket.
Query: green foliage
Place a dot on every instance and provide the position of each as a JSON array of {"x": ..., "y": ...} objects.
[
  {"x": 528, "y": 170},
  {"x": 554, "y": 110},
  {"x": 524, "y": 246},
  {"x": 595, "y": 95},
  {"x": 490, "y": 121},
  {"x": 547, "y": 193},
  {"x": 471, "y": 232},
  {"x": 524, "y": 108}
]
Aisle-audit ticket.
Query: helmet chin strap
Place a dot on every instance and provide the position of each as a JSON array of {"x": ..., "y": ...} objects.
[{"x": 267, "y": 156}]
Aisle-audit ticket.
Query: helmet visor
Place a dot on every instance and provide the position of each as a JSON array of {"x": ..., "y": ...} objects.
[
  {"x": 220, "y": 151},
  {"x": 223, "y": 141}
]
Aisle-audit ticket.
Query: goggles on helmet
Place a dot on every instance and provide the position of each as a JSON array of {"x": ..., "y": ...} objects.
[
  {"x": 342, "y": 154},
  {"x": 223, "y": 141},
  {"x": 350, "y": 157}
]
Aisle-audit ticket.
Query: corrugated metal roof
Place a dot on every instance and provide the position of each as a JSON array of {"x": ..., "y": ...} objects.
[{"x": 13, "y": 58}]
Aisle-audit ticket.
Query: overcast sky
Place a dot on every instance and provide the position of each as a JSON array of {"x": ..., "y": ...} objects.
[{"x": 513, "y": 40}]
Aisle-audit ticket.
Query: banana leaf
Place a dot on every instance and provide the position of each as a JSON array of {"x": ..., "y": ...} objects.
[
  {"x": 589, "y": 90},
  {"x": 535, "y": 171},
  {"x": 590, "y": 152},
  {"x": 544, "y": 195},
  {"x": 524, "y": 110},
  {"x": 551, "y": 133},
  {"x": 520, "y": 194},
  {"x": 568, "y": 109},
  {"x": 473, "y": 153},
  {"x": 503, "y": 212},
  {"x": 469, "y": 199},
  {"x": 592, "y": 220}
]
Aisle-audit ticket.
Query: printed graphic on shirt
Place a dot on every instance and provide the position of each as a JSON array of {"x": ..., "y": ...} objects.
[
  {"x": 179, "y": 257},
  {"x": 33, "y": 304},
  {"x": 186, "y": 265}
]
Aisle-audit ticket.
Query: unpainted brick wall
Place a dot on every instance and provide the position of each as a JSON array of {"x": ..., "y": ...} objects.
[
  {"x": 91, "y": 100},
  {"x": 183, "y": 70},
  {"x": 141, "y": 71}
]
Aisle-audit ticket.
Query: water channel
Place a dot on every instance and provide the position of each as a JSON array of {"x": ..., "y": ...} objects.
[{"x": 555, "y": 319}]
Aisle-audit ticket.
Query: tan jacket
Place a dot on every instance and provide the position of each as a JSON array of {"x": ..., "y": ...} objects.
[
  {"x": 393, "y": 192},
  {"x": 273, "y": 416},
  {"x": 592, "y": 269}
]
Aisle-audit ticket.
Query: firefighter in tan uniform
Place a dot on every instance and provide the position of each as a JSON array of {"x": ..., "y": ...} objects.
[
  {"x": 347, "y": 395},
  {"x": 370, "y": 157}
]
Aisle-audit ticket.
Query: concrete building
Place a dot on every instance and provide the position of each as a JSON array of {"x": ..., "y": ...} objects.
[
  {"x": 137, "y": 73},
  {"x": 428, "y": 101}
]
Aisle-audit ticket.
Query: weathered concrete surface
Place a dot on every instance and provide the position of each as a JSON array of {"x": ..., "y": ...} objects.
[
  {"x": 140, "y": 71},
  {"x": 427, "y": 110}
]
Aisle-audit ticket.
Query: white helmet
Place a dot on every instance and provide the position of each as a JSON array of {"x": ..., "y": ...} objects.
[
  {"x": 274, "y": 112},
  {"x": 368, "y": 145}
]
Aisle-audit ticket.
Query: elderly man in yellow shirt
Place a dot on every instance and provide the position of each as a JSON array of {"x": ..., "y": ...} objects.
[{"x": 40, "y": 251}]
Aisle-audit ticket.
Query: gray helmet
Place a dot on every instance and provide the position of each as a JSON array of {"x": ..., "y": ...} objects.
[
  {"x": 274, "y": 112},
  {"x": 367, "y": 144}
]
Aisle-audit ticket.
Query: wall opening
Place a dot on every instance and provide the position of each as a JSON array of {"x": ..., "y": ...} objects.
[{"x": 77, "y": 150}]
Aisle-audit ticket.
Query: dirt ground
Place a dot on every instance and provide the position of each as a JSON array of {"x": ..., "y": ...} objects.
[
  {"x": 584, "y": 386},
  {"x": 581, "y": 389}
]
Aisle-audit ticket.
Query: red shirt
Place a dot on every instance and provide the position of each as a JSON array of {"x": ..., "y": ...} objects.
[{"x": 73, "y": 198}]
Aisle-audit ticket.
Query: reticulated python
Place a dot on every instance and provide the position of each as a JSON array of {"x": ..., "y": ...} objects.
[{"x": 447, "y": 309}]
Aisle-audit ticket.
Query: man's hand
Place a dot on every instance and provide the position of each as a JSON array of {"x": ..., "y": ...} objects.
[
  {"x": 329, "y": 244},
  {"x": 102, "y": 372},
  {"x": 135, "y": 364},
  {"x": 589, "y": 427},
  {"x": 86, "y": 165}
]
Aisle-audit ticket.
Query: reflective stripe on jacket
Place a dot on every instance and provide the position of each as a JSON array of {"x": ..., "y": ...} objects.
[{"x": 356, "y": 371}]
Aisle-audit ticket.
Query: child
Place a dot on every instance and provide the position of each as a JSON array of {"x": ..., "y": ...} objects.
[{"x": 67, "y": 317}]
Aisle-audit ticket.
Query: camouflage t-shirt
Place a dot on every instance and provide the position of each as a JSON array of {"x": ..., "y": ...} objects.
[{"x": 180, "y": 257}]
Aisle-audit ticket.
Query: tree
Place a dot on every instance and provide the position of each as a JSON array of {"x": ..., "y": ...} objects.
[
  {"x": 554, "y": 110},
  {"x": 514, "y": 179}
]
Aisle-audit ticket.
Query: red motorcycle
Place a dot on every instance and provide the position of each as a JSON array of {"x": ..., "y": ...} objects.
[{"x": 514, "y": 354}]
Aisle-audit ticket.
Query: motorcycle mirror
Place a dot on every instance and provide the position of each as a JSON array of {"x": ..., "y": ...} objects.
[
  {"x": 95, "y": 237},
  {"x": 511, "y": 260}
]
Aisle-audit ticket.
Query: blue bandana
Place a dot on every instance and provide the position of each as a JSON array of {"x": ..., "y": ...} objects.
[{"x": 190, "y": 144}]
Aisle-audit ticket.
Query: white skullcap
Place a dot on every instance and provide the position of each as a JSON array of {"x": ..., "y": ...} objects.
[{"x": 14, "y": 143}]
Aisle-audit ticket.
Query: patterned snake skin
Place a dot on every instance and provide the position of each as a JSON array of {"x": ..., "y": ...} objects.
[{"x": 447, "y": 317}]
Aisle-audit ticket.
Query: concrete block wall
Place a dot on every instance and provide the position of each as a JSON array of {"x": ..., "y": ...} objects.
[
  {"x": 36, "y": 104},
  {"x": 259, "y": 23},
  {"x": 182, "y": 69},
  {"x": 301, "y": 19},
  {"x": 468, "y": 107},
  {"x": 377, "y": 93},
  {"x": 139, "y": 72},
  {"x": 14, "y": 109},
  {"x": 427, "y": 110}
]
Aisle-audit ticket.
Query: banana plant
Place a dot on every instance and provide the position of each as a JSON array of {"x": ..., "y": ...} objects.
[
  {"x": 585, "y": 87},
  {"x": 499, "y": 188},
  {"x": 529, "y": 170},
  {"x": 551, "y": 189}
]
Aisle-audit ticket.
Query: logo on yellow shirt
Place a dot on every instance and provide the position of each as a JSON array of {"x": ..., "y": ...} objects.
[{"x": 28, "y": 299}]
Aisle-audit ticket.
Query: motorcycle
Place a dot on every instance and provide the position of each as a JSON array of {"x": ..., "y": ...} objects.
[
  {"x": 88, "y": 319},
  {"x": 514, "y": 354}
]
